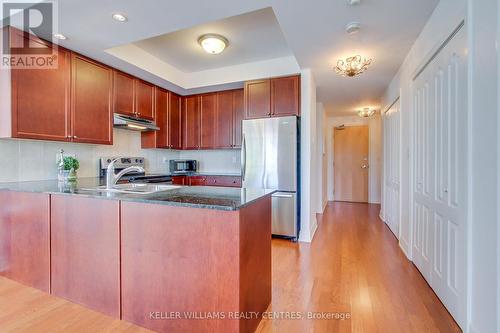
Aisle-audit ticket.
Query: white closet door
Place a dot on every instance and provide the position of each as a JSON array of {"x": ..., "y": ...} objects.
[
  {"x": 439, "y": 174},
  {"x": 392, "y": 168}
]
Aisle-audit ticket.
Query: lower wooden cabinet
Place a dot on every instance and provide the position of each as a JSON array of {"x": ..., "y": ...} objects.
[
  {"x": 180, "y": 180},
  {"x": 85, "y": 256},
  {"x": 203, "y": 180},
  {"x": 25, "y": 238}
]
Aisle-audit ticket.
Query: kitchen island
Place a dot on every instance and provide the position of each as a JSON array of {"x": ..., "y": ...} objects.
[{"x": 190, "y": 259}]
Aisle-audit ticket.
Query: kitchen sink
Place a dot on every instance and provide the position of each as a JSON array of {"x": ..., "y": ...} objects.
[{"x": 133, "y": 188}]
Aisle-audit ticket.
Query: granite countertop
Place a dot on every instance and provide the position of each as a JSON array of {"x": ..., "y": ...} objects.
[{"x": 220, "y": 198}]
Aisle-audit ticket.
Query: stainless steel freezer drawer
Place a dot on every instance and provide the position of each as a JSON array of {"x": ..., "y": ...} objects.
[{"x": 284, "y": 214}]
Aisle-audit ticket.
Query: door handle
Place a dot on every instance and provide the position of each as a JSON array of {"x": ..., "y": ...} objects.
[
  {"x": 364, "y": 166},
  {"x": 243, "y": 157}
]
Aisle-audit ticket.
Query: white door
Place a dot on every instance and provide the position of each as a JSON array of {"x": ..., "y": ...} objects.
[
  {"x": 391, "y": 168},
  {"x": 439, "y": 171}
]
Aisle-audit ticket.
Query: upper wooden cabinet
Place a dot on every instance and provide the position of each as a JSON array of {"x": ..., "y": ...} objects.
[
  {"x": 144, "y": 100},
  {"x": 272, "y": 97},
  {"x": 224, "y": 121},
  {"x": 38, "y": 106},
  {"x": 238, "y": 116},
  {"x": 161, "y": 138},
  {"x": 123, "y": 94},
  {"x": 70, "y": 103},
  {"x": 175, "y": 121},
  {"x": 133, "y": 97},
  {"x": 91, "y": 95},
  {"x": 191, "y": 134},
  {"x": 208, "y": 121},
  {"x": 285, "y": 96},
  {"x": 258, "y": 99}
]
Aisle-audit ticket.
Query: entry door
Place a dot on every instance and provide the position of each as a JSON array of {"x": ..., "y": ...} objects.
[
  {"x": 391, "y": 168},
  {"x": 351, "y": 164},
  {"x": 440, "y": 174}
]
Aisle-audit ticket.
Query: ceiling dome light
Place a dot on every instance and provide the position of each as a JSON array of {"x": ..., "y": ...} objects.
[
  {"x": 366, "y": 112},
  {"x": 119, "y": 17},
  {"x": 353, "y": 2},
  {"x": 352, "y": 66},
  {"x": 60, "y": 36},
  {"x": 212, "y": 43}
]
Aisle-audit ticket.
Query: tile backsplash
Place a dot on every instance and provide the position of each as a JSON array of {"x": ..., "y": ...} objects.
[
  {"x": 223, "y": 161},
  {"x": 25, "y": 160}
]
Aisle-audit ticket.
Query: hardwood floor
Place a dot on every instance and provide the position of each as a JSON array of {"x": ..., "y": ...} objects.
[{"x": 354, "y": 267}]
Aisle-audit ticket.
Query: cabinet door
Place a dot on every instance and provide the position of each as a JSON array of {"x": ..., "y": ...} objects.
[
  {"x": 224, "y": 125},
  {"x": 191, "y": 122},
  {"x": 285, "y": 96},
  {"x": 258, "y": 99},
  {"x": 40, "y": 97},
  {"x": 180, "y": 180},
  {"x": 85, "y": 252},
  {"x": 238, "y": 115},
  {"x": 197, "y": 181},
  {"x": 158, "y": 139},
  {"x": 123, "y": 94},
  {"x": 144, "y": 99},
  {"x": 25, "y": 238},
  {"x": 175, "y": 121},
  {"x": 208, "y": 121},
  {"x": 91, "y": 96}
]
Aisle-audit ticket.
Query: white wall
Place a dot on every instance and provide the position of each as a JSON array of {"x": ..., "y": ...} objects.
[
  {"x": 374, "y": 155},
  {"x": 445, "y": 18},
  {"x": 483, "y": 181},
  {"x": 226, "y": 161},
  {"x": 24, "y": 160},
  {"x": 308, "y": 181}
]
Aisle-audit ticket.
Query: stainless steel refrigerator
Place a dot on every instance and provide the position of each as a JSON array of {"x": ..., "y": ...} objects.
[{"x": 269, "y": 159}]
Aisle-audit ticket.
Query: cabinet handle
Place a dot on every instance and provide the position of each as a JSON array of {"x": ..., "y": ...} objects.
[{"x": 75, "y": 137}]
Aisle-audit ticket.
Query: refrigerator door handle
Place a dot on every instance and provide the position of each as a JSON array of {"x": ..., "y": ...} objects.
[{"x": 243, "y": 158}]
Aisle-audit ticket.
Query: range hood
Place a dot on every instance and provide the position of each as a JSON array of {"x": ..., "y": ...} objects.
[{"x": 134, "y": 124}]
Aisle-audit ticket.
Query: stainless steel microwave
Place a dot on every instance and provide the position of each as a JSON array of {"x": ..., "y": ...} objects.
[{"x": 183, "y": 166}]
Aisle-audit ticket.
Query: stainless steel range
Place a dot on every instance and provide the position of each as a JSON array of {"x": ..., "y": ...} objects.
[{"x": 123, "y": 162}]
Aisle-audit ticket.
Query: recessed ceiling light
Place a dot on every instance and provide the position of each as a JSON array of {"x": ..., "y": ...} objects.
[
  {"x": 353, "y": 27},
  {"x": 213, "y": 43},
  {"x": 119, "y": 17},
  {"x": 353, "y": 2},
  {"x": 60, "y": 36}
]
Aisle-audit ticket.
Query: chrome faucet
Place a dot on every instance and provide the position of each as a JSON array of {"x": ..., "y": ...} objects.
[{"x": 112, "y": 178}]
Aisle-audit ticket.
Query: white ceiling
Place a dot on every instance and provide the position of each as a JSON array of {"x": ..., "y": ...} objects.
[
  {"x": 252, "y": 37},
  {"x": 313, "y": 31}
]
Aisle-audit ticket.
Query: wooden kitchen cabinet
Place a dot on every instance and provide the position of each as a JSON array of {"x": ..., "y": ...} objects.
[
  {"x": 258, "y": 99},
  {"x": 285, "y": 96},
  {"x": 224, "y": 181},
  {"x": 191, "y": 134},
  {"x": 91, "y": 101},
  {"x": 208, "y": 121},
  {"x": 160, "y": 138},
  {"x": 85, "y": 252},
  {"x": 238, "y": 116},
  {"x": 224, "y": 120},
  {"x": 175, "y": 121},
  {"x": 197, "y": 180},
  {"x": 25, "y": 238},
  {"x": 144, "y": 99},
  {"x": 274, "y": 97},
  {"x": 180, "y": 180},
  {"x": 123, "y": 94},
  {"x": 39, "y": 98}
]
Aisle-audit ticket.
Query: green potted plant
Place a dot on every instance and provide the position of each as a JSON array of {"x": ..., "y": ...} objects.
[{"x": 70, "y": 166}]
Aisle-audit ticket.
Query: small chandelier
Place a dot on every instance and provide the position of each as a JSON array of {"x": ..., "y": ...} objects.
[
  {"x": 366, "y": 112},
  {"x": 352, "y": 66}
]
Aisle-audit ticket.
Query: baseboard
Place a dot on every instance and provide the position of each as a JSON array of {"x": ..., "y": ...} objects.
[
  {"x": 381, "y": 216},
  {"x": 325, "y": 203}
]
